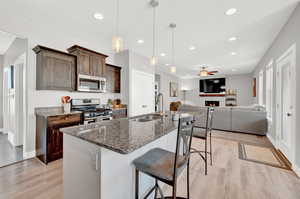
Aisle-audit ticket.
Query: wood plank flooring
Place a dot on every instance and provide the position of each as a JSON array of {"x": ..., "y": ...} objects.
[{"x": 228, "y": 178}]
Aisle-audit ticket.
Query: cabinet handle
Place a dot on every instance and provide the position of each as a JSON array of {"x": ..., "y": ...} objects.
[{"x": 97, "y": 160}]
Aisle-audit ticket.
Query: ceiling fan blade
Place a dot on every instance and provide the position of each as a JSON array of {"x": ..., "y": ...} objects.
[{"x": 212, "y": 72}]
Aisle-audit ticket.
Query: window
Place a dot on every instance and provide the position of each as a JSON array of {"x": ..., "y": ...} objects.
[
  {"x": 269, "y": 89},
  {"x": 261, "y": 88}
]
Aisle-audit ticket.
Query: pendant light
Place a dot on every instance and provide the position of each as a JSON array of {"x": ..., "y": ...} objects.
[
  {"x": 117, "y": 41},
  {"x": 173, "y": 67},
  {"x": 153, "y": 4}
]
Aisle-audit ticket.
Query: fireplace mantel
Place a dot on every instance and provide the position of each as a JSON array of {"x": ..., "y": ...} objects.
[{"x": 212, "y": 95}]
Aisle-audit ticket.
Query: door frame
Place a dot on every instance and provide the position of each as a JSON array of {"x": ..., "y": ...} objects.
[{"x": 290, "y": 52}]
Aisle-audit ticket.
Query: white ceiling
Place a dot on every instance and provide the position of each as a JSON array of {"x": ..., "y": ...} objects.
[
  {"x": 199, "y": 23},
  {"x": 6, "y": 40}
]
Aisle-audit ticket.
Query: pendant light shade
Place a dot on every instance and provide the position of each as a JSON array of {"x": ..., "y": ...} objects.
[
  {"x": 203, "y": 72},
  {"x": 153, "y": 4},
  {"x": 117, "y": 44},
  {"x": 153, "y": 60},
  {"x": 117, "y": 41},
  {"x": 173, "y": 67}
]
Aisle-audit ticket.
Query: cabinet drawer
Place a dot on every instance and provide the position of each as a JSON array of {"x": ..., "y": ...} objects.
[{"x": 63, "y": 120}]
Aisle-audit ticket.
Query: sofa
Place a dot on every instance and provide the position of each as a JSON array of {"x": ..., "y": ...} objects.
[{"x": 248, "y": 119}]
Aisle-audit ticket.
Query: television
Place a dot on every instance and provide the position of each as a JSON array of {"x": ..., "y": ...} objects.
[{"x": 216, "y": 85}]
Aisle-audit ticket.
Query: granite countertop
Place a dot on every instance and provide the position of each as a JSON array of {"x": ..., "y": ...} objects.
[
  {"x": 53, "y": 111},
  {"x": 123, "y": 135}
]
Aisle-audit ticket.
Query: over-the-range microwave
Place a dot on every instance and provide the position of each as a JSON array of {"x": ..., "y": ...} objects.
[{"x": 86, "y": 83}]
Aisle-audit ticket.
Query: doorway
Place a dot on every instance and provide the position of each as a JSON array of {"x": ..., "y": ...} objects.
[
  {"x": 143, "y": 98},
  {"x": 286, "y": 103},
  {"x": 13, "y": 87}
]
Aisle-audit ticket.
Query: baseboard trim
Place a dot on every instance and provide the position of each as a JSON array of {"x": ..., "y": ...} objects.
[
  {"x": 28, "y": 155},
  {"x": 271, "y": 140},
  {"x": 296, "y": 169}
]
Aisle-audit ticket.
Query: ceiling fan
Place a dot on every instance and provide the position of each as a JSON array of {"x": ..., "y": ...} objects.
[{"x": 204, "y": 72}]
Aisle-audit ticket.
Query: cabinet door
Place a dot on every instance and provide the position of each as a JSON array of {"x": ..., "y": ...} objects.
[
  {"x": 109, "y": 79},
  {"x": 83, "y": 63},
  {"x": 84, "y": 160},
  {"x": 117, "y": 82},
  {"x": 55, "y": 144},
  {"x": 95, "y": 66},
  {"x": 58, "y": 72}
]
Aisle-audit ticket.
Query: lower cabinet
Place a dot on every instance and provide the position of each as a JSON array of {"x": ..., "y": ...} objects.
[
  {"x": 81, "y": 169},
  {"x": 49, "y": 139}
]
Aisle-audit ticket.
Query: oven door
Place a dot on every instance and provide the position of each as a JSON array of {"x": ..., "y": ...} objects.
[{"x": 91, "y": 84}]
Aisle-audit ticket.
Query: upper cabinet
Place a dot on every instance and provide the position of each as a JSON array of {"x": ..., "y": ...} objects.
[
  {"x": 55, "y": 70},
  {"x": 113, "y": 78},
  {"x": 89, "y": 62}
]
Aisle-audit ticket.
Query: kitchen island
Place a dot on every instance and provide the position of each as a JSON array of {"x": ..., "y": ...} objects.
[{"x": 98, "y": 157}]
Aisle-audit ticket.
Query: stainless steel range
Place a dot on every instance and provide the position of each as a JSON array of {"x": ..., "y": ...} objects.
[{"x": 92, "y": 110}]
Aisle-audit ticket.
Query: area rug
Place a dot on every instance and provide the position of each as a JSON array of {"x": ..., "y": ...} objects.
[{"x": 262, "y": 155}]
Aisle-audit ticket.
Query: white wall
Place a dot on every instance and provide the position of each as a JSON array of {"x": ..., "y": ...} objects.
[
  {"x": 242, "y": 83},
  {"x": 288, "y": 36},
  {"x": 244, "y": 86},
  {"x": 1, "y": 91},
  {"x": 165, "y": 79}
]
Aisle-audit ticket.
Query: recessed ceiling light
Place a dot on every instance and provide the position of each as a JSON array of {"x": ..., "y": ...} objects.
[
  {"x": 233, "y": 70},
  {"x": 162, "y": 54},
  {"x": 192, "y": 47},
  {"x": 231, "y": 11},
  {"x": 232, "y": 39},
  {"x": 167, "y": 64},
  {"x": 98, "y": 16},
  {"x": 140, "y": 41},
  {"x": 233, "y": 53}
]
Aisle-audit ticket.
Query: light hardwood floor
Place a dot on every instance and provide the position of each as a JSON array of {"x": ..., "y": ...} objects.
[{"x": 228, "y": 178}]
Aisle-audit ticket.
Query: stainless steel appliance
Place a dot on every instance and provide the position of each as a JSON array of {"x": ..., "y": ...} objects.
[
  {"x": 91, "y": 110},
  {"x": 88, "y": 83}
]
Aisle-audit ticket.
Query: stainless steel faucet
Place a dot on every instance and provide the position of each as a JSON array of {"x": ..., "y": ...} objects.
[{"x": 161, "y": 108}]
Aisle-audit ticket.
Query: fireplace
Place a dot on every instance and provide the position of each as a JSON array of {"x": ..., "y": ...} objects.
[{"x": 212, "y": 103}]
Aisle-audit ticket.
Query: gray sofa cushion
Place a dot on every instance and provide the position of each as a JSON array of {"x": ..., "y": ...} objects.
[{"x": 250, "y": 119}]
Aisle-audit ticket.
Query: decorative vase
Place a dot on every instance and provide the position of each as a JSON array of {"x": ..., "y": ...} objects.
[{"x": 67, "y": 107}]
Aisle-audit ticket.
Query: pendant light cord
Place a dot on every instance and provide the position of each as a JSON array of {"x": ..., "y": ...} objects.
[
  {"x": 173, "y": 45},
  {"x": 117, "y": 18},
  {"x": 154, "y": 25}
]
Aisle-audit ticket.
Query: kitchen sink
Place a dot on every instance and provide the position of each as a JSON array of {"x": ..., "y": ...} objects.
[{"x": 149, "y": 117}]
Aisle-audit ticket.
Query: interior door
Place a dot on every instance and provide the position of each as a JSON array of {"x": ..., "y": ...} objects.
[
  {"x": 285, "y": 112},
  {"x": 142, "y": 93}
]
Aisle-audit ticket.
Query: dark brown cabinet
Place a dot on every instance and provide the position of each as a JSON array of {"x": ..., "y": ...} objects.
[
  {"x": 113, "y": 78},
  {"x": 55, "y": 70},
  {"x": 89, "y": 62},
  {"x": 49, "y": 139}
]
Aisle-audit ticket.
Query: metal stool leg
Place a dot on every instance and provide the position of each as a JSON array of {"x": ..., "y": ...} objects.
[
  {"x": 205, "y": 156},
  {"x": 174, "y": 192},
  {"x": 136, "y": 184},
  {"x": 211, "y": 153},
  {"x": 188, "y": 179},
  {"x": 156, "y": 185}
]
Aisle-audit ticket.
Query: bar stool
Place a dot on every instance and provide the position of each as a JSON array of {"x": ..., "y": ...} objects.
[
  {"x": 202, "y": 133},
  {"x": 166, "y": 166}
]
